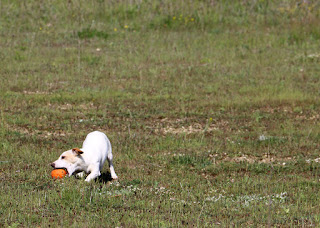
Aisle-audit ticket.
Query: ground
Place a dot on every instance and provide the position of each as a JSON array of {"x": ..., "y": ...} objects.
[{"x": 212, "y": 110}]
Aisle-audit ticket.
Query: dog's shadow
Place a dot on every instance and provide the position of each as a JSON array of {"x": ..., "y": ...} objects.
[{"x": 104, "y": 178}]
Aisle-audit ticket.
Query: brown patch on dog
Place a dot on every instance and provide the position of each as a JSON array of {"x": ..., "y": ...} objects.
[
  {"x": 69, "y": 156},
  {"x": 77, "y": 151}
]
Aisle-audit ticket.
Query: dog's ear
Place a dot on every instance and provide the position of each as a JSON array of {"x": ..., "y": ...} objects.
[{"x": 77, "y": 151}]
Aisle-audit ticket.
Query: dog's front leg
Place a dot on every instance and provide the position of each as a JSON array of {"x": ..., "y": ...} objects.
[{"x": 93, "y": 174}]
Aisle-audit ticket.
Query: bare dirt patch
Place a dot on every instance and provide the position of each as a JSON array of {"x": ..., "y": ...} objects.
[
  {"x": 40, "y": 133},
  {"x": 68, "y": 106},
  {"x": 183, "y": 126},
  {"x": 264, "y": 159},
  {"x": 35, "y": 92}
]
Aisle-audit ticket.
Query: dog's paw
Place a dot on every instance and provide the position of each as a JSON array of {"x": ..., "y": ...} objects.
[
  {"x": 80, "y": 175},
  {"x": 114, "y": 177}
]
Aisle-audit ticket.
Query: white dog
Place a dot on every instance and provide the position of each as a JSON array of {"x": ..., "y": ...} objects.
[{"x": 90, "y": 158}]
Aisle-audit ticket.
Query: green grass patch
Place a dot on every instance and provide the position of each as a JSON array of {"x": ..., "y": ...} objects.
[{"x": 212, "y": 109}]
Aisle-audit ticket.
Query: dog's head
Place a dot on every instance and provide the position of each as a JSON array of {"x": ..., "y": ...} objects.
[{"x": 70, "y": 160}]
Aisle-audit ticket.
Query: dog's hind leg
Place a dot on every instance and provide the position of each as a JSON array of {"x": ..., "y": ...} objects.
[{"x": 113, "y": 173}]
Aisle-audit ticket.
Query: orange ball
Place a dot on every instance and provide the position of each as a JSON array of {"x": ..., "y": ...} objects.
[{"x": 58, "y": 173}]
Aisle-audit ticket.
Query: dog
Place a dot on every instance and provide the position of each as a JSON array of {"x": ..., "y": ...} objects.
[{"x": 96, "y": 149}]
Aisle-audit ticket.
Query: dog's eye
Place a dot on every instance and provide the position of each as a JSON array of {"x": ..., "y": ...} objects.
[{"x": 62, "y": 157}]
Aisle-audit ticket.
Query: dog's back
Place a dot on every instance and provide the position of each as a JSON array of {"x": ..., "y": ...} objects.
[{"x": 97, "y": 146}]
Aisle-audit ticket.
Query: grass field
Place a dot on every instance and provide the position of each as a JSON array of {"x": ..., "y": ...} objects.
[{"x": 212, "y": 109}]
